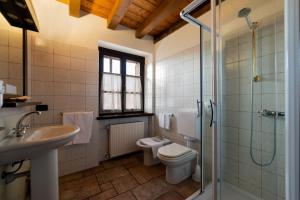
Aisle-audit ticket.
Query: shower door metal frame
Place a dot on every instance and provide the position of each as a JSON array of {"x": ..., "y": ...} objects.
[
  {"x": 184, "y": 14},
  {"x": 292, "y": 98}
]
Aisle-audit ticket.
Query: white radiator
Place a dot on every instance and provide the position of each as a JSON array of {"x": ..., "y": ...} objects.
[{"x": 123, "y": 137}]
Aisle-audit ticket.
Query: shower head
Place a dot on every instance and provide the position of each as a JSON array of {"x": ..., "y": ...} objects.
[{"x": 245, "y": 13}]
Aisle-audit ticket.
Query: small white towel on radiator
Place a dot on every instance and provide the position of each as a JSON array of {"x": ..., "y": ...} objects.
[
  {"x": 167, "y": 117},
  {"x": 85, "y": 122},
  {"x": 161, "y": 120},
  {"x": 153, "y": 144}
]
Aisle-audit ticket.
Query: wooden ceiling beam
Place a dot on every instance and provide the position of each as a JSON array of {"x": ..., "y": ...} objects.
[
  {"x": 166, "y": 8},
  {"x": 74, "y": 8},
  {"x": 180, "y": 23},
  {"x": 117, "y": 13}
]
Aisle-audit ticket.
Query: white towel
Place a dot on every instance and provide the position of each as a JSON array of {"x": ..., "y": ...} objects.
[
  {"x": 161, "y": 120},
  {"x": 69, "y": 118},
  {"x": 155, "y": 145},
  {"x": 85, "y": 122},
  {"x": 167, "y": 117}
]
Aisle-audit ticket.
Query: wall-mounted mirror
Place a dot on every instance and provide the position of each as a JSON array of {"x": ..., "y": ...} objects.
[{"x": 11, "y": 55}]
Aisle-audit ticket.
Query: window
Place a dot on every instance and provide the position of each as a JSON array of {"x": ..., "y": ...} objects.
[{"x": 121, "y": 82}]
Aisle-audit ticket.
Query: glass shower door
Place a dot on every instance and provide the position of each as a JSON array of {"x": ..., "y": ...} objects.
[
  {"x": 251, "y": 96},
  {"x": 206, "y": 110}
]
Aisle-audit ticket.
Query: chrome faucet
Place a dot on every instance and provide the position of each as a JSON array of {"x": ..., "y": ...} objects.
[{"x": 20, "y": 129}]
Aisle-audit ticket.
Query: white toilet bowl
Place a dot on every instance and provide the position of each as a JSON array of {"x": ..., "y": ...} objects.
[
  {"x": 179, "y": 162},
  {"x": 149, "y": 158}
]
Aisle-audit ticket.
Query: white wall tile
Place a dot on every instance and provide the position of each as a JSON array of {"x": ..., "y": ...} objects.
[
  {"x": 4, "y": 70},
  {"x": 15, "y": 71},
  {"x": 91, "y": 90},
  {"x": 4, "y": 37},
  {"x": 61, "y": 75},
  {"x": 77, "y": 77},
  {"x": 15, "y": 39},
  {"x": 42, "y": 59},
  {"x": 42, "y": 73},
  {"x": 15, "y": 55},
  {"x": 3, "y": 53},
  {"x": 77, "y": 89},
  {"x": 42, "y": 88},
  {"x": 61, "y": 49},
  {"x": 78, "y": 64},
  {"x": 61, "y": 88},
  {"x": 62, "y": 62}
]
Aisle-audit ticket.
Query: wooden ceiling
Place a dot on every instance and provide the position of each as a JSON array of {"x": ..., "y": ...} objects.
[{"x": 157, "y": 18}]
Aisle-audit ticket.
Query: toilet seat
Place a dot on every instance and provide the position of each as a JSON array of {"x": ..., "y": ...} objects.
[
  {"x": 173, "y": 150},
  {"x": 175, "y": 154}
]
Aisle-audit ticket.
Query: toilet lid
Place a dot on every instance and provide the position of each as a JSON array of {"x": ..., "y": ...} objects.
[{"x": 173, "y": 150}]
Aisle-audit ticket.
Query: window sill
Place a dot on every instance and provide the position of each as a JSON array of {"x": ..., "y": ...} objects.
[{"x": 117, "y": 116}]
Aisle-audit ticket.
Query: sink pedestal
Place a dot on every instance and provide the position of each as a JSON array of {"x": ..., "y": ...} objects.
[{"x": 44, "y": 176}]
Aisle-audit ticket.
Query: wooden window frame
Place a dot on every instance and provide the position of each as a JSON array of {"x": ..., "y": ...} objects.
[{"x": 123, "y": 57}]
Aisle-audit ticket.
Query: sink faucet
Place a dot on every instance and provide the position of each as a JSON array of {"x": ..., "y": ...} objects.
[{"x": 20, "y": 129}]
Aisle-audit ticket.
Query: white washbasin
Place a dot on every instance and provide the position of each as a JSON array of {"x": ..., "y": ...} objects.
[{"x": 35, "y": 142}]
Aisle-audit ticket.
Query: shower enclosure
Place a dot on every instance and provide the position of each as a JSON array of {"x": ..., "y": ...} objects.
[{"x": 242, "y": 98}]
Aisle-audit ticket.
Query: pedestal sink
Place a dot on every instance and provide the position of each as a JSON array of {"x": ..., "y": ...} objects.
[{"x": 40, "y": 146}]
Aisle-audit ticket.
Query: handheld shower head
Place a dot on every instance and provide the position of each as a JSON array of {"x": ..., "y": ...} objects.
[{"x": 245, "y": 13}]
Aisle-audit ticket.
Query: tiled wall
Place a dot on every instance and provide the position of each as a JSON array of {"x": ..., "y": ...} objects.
[
  {"x": 177, "y": 86},
  {"x": 238, "y": 168},
  {"x": 66, "y": 78},
  {"x": 11, "y": 56}
]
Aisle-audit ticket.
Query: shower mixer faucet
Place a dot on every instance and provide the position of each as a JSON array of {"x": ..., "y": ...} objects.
[{"x": 270, "y": 113}]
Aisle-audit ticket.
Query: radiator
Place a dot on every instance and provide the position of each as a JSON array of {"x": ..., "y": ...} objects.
[{"x": 123, "y": 137}]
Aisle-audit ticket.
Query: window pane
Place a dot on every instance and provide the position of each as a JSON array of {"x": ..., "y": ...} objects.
[
  {"x": 106, "y": 66},
  {"x": 132, "y": 68},
  {"x": 112, "y": 101},
  {"x": 133, "y": 85},
  {"x": 133, "y": 102},
  {"x": 116, "y": 66},
  {"x": 111, "y": 82}
]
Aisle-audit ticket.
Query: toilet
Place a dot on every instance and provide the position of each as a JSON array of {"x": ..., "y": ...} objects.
[
  {"x": 150, "y": 147},
  {"x": 180, "y": 160}
]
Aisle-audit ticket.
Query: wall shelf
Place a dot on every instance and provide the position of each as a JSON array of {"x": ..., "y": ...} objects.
[{"x": 19, "y": 104}]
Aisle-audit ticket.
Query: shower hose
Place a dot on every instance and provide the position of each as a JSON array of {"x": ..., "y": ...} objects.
[{"x": 262, "y": 164}]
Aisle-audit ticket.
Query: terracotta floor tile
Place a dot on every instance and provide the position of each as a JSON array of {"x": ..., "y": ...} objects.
[
  {"x": 106, "y": 186},
  {"x": 68, "y": 195},
  {"x": 93, "y": 171},
  {"x": 105, "y": 195},
  {"x": 151, "y": 190},
  {"x": 112, "y": 163},
  {"x": 79, "y": 193},
  {"x": 110, "y": 174},
  {"x": 70, "y": 177},
  {"x": 187, "y": 187},
  {"x": 125, "y": 183},
  {"x": 122, "y": 176},
  {"x": 125, "y": 196},
  {"x": 172, "y": 195},
  {"x": 143, "y": 173},
  {"x": 80, "y": 188},
  {"x": 88, "y": 191},
  {"x": 89, "y": 180}
]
